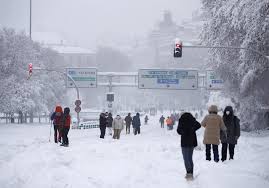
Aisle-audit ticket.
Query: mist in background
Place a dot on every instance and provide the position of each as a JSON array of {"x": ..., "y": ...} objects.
[
  {"x": 122, "y": 36},
  {"x": 93, "y": 22}
]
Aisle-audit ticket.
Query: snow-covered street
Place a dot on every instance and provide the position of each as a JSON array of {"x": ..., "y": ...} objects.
[{"x": 152, "y": 159}]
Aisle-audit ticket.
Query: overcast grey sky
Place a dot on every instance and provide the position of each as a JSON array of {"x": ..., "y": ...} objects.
[{"x": 91, "y": 22}]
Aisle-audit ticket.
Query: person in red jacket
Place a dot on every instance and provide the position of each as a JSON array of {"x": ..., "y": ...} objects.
[
  {"x": 57, "y": 117},
  {"x": 66, "y": 126}
]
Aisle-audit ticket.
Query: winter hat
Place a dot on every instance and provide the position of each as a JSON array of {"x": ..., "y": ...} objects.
[
  {"x": 230, "y": 109},
  {"x": 58, "y": 109},
  {"x": 213, "y": 108},
  {"x": 66, "y": 110}
]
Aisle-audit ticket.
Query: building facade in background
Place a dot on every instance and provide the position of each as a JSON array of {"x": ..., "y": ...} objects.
[{"x": 72, "y": 55}]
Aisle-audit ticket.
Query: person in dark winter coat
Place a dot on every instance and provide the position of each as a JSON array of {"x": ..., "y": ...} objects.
[
  {"x": 109, "y": 123},
  {"x": 136, "y": 124},
  {"x": 128, "y": 120},
  {"x": 57, "y": 117},
  {"x": 232, "y": 124},
  {"x": 187, "y": 126},
  {"x": 173, "y": 118},
  {"x": 162, "y": 121},
  {"x": 66, "y": 126},
  {"x": 102, "y": 124}
]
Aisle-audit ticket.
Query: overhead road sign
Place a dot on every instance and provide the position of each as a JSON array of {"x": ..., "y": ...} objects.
[
  {"x": 174, "y": 79},
  {"x": 83, "y": 77},
  {"x": 213, "y": 81}
]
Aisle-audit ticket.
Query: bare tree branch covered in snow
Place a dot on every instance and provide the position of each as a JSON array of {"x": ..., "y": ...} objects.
[{"x": 242, "y": 23}]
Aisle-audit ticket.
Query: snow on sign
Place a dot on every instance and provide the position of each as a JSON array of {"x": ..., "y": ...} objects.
[
  {"x": 213, "y": 81},
  {"x": 168, "y": 79},
  {"x": 83, "y": 77}
]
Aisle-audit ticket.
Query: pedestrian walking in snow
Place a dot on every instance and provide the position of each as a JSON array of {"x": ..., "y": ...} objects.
[
  {"x": 128, "y": 121},
  {"x": 162, "y": 121},
  {"x": 57, "y": 117},
  {"x": 187, "y": 126},
  {"x": 212, "y": 123},
  {"x": 118, "y": 125},
  {"x": 66, "y": 126},
  {"x": 109, "y": 123},
  {"x": 232, "y": 123},
  {"x": 173, "y": 118},
  {"x": 136, "y": 124},
  {"x": 146, "y": 120},
  {"x": 196, "y": 115},
  {"x": 102, "y": 124},
  {"x": 169, "y": 123}
]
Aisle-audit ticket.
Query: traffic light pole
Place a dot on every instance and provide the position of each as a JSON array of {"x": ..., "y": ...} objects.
[
  {"x": 228, "y": 47},
  {"x": 64, "y": 73}
]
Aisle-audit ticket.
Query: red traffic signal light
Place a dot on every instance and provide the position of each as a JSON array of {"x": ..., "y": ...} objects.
[
  {"x": 178, "y": 48},
  {"x": 178, "y": 45},
  {"x": 30, "y": 67}
]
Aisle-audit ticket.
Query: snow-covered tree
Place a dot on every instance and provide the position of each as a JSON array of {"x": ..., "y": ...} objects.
[
  {"x": 241, "y": 23},
  {"x": 17, "y": 93}
]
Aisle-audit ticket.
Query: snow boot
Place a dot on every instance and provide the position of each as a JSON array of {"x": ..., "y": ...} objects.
[{"x": 189, "y": 176}]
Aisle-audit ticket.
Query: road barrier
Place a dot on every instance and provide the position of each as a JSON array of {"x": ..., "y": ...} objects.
[{"x": 87, "y": 125}]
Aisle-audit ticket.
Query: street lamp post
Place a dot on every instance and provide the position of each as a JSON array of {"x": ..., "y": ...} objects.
[{"x": 30, "y": 31}]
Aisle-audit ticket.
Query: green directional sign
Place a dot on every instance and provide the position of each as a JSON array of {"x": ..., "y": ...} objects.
[
  {"x": 83, "y": 77},
  {"x": 213, "y": 81}
]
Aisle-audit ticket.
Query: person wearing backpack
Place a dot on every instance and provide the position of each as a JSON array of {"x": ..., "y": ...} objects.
[
  {"x": 232, "y": 124},
  {"x": 187, "y": 126},
  {"x": 66, "y": 126},
  {"x": 57, "y": 117}
]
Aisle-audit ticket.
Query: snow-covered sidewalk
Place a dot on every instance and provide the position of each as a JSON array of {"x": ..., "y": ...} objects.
[{"x": 151, "y": 160}]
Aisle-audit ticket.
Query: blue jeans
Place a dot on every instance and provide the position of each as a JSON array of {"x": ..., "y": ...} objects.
[{"x": 187, "y": 153}]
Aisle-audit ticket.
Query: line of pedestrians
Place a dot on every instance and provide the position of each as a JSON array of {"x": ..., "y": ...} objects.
[
  {"x": 116, "y": 125},
  {"x": 225, "y": 129}
]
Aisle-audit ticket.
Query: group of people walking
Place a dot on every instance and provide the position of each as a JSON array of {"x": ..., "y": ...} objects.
[
  {"x": 117, "y": 124},
  {"x": 61, "y": 121},
  {"x": 170, "y": 121},
  {"x": 225, "y": 129}
]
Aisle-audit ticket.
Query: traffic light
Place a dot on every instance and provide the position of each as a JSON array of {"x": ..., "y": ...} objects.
[
  {"x": 110, "y": 97},
  {"x": 178, "y": 49},
  {"x": 30, "y": 67}
]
